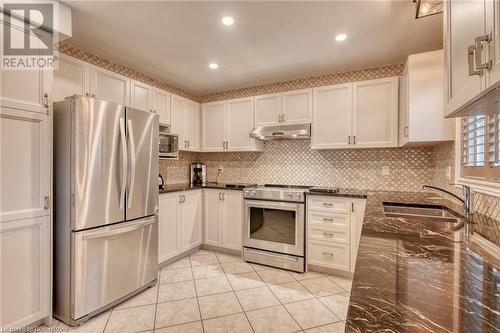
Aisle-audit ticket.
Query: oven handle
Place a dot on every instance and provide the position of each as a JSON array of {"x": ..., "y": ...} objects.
[
  {"x": 272, "y": 204},
  {"x": 274, "y": 255}
]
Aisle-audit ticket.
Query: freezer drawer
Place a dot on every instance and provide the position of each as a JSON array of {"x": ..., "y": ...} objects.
[{"x": 111, "y": 262}]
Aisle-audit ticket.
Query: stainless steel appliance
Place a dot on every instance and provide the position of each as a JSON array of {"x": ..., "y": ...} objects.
[
  {"x": 274, "y": 226},
  {"x": 168, "y": 143},
  {"x": 282, "y": 132},
  {"x": 106, "y": 205},
  {"x": 198, "y": 174}
]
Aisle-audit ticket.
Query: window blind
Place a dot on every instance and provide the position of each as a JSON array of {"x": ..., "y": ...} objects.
[{"x": 473, "y": 141}]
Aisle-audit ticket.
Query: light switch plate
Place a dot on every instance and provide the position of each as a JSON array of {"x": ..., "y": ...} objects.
[
  {"x": 448, "y": 172},
  {"x": 385, "y": 171}
]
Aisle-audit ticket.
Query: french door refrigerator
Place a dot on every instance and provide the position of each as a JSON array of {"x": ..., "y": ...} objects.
[{"x": 106, "y": 205}]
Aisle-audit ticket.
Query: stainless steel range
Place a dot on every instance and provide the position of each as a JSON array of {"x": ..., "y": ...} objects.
[{"x": 274, "y": 226}]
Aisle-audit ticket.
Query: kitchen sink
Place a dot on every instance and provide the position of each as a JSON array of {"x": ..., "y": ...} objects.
[{"x": 434, "y": 213}]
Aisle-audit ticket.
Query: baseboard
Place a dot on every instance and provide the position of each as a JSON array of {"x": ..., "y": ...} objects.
[
  {"x": 329, "y": 271},
  {"x": 221, "y": 249}
]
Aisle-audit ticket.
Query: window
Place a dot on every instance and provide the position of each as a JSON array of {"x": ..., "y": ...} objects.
[{"x": 480, "y": 147}]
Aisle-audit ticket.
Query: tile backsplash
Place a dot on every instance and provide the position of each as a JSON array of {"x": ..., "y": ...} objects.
[{"x": 293, "y": 162}]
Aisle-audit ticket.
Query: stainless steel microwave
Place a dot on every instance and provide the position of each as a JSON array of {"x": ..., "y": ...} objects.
[{"x": 168, "y": 144}]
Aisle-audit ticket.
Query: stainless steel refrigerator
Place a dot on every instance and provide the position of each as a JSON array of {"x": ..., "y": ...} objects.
[{"x": 106, "y": 205}]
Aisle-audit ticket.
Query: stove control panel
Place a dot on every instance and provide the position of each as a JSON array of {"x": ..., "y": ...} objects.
[{"x": 274, "y": 194}]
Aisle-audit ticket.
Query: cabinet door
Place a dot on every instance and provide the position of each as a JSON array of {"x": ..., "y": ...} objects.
[
  {"x": 357, "y": 216},
  {"x": 25, "y": 163},
  {"x": 140, "y": 96},
  {"x": 463, "y": 22},
  {"x": 297, "y": 106},
  {"x": 212, "y": 217},
  {"x": 72, "y": 77},
  {"x": 375, "y": 113},
  {"x": 239, "y": 124},
  {"x": 493, "y": 27},
  {"x": 191, "y": 220},
  {"x": 25, "y": 271},
  {"x": 232, "y": 220},
  {"x": 161, "y": 105},
  {"x": 169, "y": 227},
  {"x": 214, "y": 126},
  {"x": 109, "y": 86},
  {"x": 192, "y": 125},
  {"x": 177, "y": 119},
  {"x": 25, "y": 89},
  {"x": 267, "y": 110},
  {"x": 332, "y": 117}
]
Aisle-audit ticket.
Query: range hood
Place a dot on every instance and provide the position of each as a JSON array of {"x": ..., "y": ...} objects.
[
  {"x": 284, "y": 132},
  {"x": 487, "y": 102}
]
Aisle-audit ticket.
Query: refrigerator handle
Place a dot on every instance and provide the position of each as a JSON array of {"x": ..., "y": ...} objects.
[
  {"x": 124, "y": 161},
  {"x": 132, "y": 163}
]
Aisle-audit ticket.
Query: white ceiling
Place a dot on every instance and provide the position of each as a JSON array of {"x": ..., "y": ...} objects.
[{"x": 269, "y": 41}]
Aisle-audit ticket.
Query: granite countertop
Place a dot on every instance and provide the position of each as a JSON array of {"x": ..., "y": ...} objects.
[
  {"x": 168, "y": 188},
  {"x": 417, "y": 275}
]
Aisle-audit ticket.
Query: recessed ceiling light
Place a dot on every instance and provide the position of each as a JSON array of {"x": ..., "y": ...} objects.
[
  {"x": 340, "y": 37},
  {"x": 227, "y": 20},
  {"x": 213, "y": 65}
]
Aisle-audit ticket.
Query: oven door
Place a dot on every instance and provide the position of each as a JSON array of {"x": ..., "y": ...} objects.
[
  {"x": 168, "y": 146},
  {"x": 274, "y": 226}
]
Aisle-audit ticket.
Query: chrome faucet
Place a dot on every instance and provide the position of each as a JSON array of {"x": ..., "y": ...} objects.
[{"x": 466, "y": 201}]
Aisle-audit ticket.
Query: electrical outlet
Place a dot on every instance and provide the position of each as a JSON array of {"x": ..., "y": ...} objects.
[
  {"x": 385, "y": 171},
  {"x": 221, "y": 169},
  {"x": 448, "y": 172}
]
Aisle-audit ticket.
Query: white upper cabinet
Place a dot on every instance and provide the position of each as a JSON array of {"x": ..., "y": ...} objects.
[
  {"x": 141, "y": 96},
  {"x": 109, "y": 86},
  {"x": 240, "y": 120},
  {"x": 177, "y": 119},
  {"x": 214, "y": 126},
  {"x": 25, "y": 89},
  {"x": 422, "y": 101},
  {"x": 192, "y": 119},
  {"x": 268, "y": 110},
  {"x": 464, "y": 24},
  {"x": 288, "y": 108},
  {"x": 72, "y": 77},
  {"x": 161, "y": 105},
  {"x": 375, "y": 113},
  {"x": 297, "y": 107},
  {"x": 493, "y": 51},
  {"x": 332, "y": 117},
  {"x": 226, "y": 126}
]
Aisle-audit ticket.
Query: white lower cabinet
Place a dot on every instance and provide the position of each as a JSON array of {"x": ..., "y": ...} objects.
[
  {"x": 25, "y": 271},
  {"x": 223, "y": 218},
  {"x": 180, "y": 223},
  {"x": 333, "y": 230}
]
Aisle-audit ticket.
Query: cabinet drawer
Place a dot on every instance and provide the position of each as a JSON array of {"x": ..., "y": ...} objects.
[
  {"x": 328, "y": 204},
  {"x": 330, "y": 255},
  {"x": 329, "y": 219},
  {"x": 328, "y": 234}
]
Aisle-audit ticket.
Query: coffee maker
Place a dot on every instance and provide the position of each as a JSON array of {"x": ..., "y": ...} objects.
[{"x": 198, "y": 174}]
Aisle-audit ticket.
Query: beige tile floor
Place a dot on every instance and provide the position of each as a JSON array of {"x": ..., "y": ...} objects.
[{"x": 215, "y": 292}]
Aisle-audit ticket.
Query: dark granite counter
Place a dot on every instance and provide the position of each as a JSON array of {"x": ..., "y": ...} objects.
[
  {"x": 418, "y": 275},
  {"x": 345, "y": 193},
  {"x": 168, "y": 188}
]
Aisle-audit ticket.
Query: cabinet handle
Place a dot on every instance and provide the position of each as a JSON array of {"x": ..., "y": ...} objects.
[
  {"x": 93, "y": 95},
  {"x": 189, "y": 143},
  {"x": 406, "y": 132},
  {"x": 327, "y": 219},
  {"x": 283, "y": 118},
  {"x": 87, "y": 94},
  {"x": 46, "y": 201},
  {"x": 354, "y": 139},
  {"x": 220, "y": 196},
  {"x": 470, "y": 59},
  {"x": 327, "y": 234},
  {"x": 352, "y": 207},
  {"x": 46, "y": 100},
  {"x": 349, "y": 140},
  {"x": 328, "y": 254},
  {"x": 180, "y": 198},
  {"x": 327, "y": 204},
  {"x": 479, "y": 52},
  {"x": 223, "y": 196}
]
